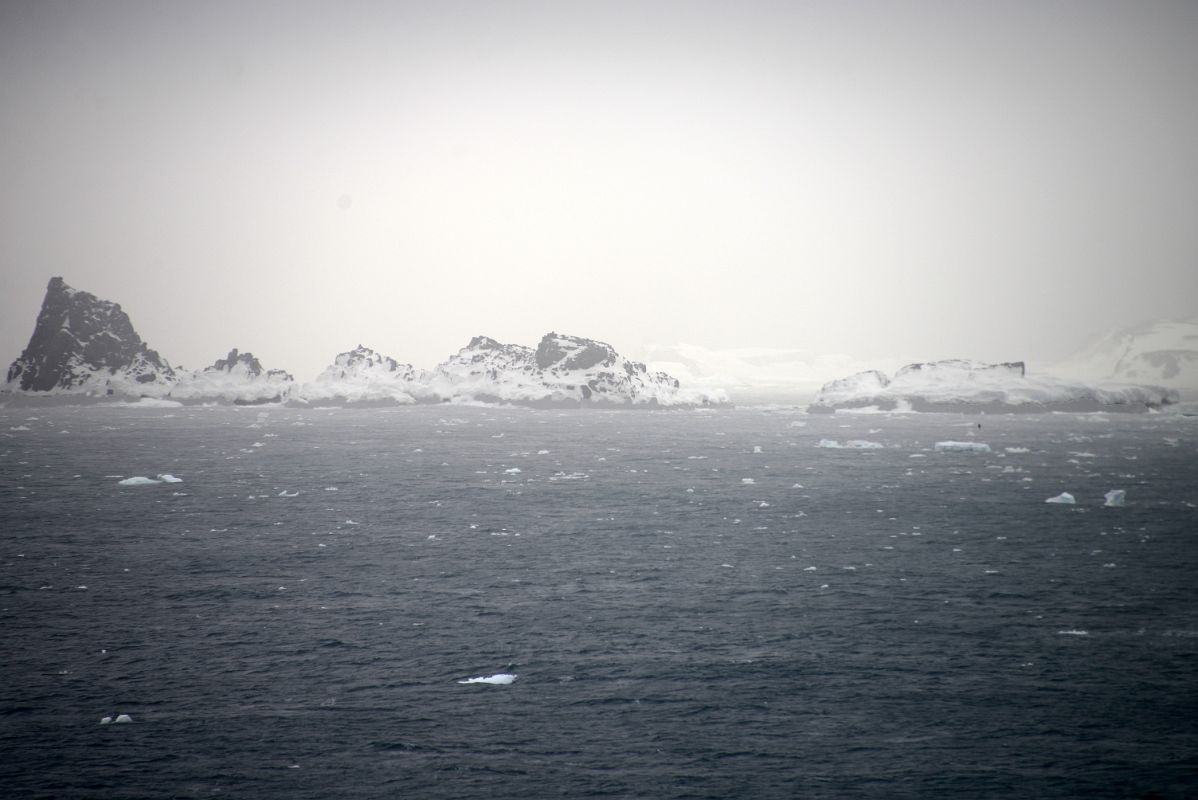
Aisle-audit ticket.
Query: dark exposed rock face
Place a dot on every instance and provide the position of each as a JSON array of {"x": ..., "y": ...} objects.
[
  {"x": 251, "y": 366},
  {"x": 361, "y": 361},
  {"x": 80, "y": 341},
  {"x": 1015, "y": 369},
  {"x": 573, "y": 352},
  {"x": 561, "y": 371},
  {"x": 247, "y": 360}
]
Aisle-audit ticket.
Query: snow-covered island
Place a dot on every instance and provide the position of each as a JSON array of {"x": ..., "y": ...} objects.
[
  {"x": 85, "y": 349},
  {"x": 972, "y": 386}
]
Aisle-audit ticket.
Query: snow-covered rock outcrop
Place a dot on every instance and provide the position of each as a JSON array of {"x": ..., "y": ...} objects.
[
  {"x": 84, "y": 349},
  {"x": 87, "y": 346},
  {"x": 562, "y": 370},
  {"x": 1163, "y": 353},
  {"x": 365, "y": 377},
  {"x": 961, "y": 385},
  {"x": 238, "y": 378}
]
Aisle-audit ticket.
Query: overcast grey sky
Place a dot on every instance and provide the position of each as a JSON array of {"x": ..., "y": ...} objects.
[{"x": 974, "y": 179}]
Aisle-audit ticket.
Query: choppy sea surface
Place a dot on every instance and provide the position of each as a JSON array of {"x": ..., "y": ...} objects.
[{"x": 695, "y": 604}]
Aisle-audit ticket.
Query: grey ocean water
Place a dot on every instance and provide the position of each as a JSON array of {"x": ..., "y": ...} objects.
[{"x": 687, "y": 617}]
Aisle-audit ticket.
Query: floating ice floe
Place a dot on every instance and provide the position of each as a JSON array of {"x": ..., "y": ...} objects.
[
  {"x": 748, "y": 481},
  {"x": 166, "y": 477},
  {"x": 286, "y": 493},
  {"x": 852, "y": 444},
  {"x": 497, "y": 679},
  {"x": 757, "y": 448},
  {"x": 119, "y": 718},
  {"x": 1063, "y": 497},
  {"x": 138, "y": 480},
  {"x": 1073, "y": 632},
  {"x": 962, "y": 447},
  {"x": 1114, "y": 498}
]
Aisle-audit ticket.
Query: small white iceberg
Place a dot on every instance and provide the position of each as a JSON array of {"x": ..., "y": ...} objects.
[
  {"x": 138, "y": 480},
  {"x": 166, "y": 477},
  {"x": 852, "y": 444},
  {"x": 962, "y": 447},
  {"x": 1115, "y": 498},
  {"x": 119, "y": 718},
  {"x": 500, "y": 678},
  {"x": 1063, "y": 497}
]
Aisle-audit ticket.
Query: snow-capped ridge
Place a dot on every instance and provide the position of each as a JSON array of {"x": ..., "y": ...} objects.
[
  {"x": 364, "y": 376},
  {"x": 237, "y": 378},
  {"x": 1163, "y": 352},
  {"x": 562, "y": 370}
]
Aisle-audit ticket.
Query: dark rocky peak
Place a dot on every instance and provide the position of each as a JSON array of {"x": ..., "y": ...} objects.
[
  {"x": 484, "y": 343},
  {"x": 246, "y": 363},
  {"x": 558, "y": 351},
  {"x": 77, "y": 338},
  {"x": 246, "y": 360}
]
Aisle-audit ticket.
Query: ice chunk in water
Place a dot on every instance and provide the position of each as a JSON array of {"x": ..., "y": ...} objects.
[
  {"x": 123, "y": 718},
  {"x": 138, "y": 480},
  {"x": 1114, "y": 497},
  {"x": 962, "y": 447},
  {"x": 498, "y": 679},
  {"x": 852, "y": 444},
  {"x": 166, "y": 477},
  {"x": 1063, "y": 497}
]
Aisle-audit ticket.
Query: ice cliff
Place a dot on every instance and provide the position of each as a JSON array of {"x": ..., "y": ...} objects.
[{"x": 961, "y": 385}]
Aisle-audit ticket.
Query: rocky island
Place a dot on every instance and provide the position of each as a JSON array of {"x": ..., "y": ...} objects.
[{"x": 85, "y": 349}]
